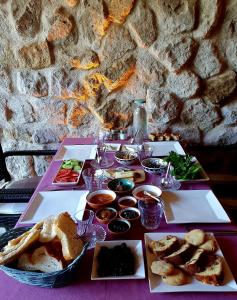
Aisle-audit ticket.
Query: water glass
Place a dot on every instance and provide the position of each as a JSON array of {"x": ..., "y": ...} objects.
[
  {"x": 92, "y": 179},
  {"x": 83, "y": 218},
  {"x": 151, "y": 213}
]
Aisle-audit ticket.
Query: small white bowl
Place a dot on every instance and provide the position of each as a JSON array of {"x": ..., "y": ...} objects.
[
  {"x": 121, "y": 157},
  {"x": 154, "y": 190}
]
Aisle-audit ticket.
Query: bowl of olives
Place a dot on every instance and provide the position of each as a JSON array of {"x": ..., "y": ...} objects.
[
  {"x": 129, "y": 213},
  {"x": 118, "y": 226}
]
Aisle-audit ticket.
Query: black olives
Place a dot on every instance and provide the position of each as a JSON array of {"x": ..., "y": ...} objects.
[
  {"x": 116, "y": 261},
  {"x": 129, "y": 214},
  {"x": 118, "y": 226}
]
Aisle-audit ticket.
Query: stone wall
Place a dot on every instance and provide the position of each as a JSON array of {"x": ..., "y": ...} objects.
[{"x": 66, "y": 66}]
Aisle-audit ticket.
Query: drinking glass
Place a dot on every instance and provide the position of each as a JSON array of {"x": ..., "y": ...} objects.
[
  {"x": 92, "y": 179},
  {"x": 151, "y": 213},
  {"x": 94, "y": 233},
  {"x": 83, "y": 218}
]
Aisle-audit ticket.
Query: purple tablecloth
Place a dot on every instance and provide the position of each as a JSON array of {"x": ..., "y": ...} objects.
[{"x": 85, "y": 289}]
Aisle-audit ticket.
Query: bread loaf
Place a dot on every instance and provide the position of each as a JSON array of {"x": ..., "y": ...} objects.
[
  {"x": 161, "y": 267},
  {"x": 195, "y": 237},
  {"x": 66, "y": 231},
  {"x": 194, "y": 265}
]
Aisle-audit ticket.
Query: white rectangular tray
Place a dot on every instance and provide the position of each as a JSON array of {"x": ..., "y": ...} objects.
[
  {"x": 164, "y": 148},
  {"x": 135, "y": 245},
  {"x": 193, "y": 206},
  {"x": 46, "y": 204},
  {"x": 80, "y": 152},
  {"x": 157, "y": 286}
]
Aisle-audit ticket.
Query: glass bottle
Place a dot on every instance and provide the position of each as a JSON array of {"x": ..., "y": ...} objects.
[{"x": 139, "y": 121}]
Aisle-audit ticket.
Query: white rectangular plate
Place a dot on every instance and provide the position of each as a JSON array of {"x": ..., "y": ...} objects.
[
  {"x": 157, "y": 286},
  {"x": 135, "y": 245},
  {"x": 164, "y": 148},
  {"x": 80, "y": 152},
  {"x": 67, "y": 183},
  {"x": 194, "y": 206},
  {"x": 112, "y": 147},
  {"x": 46, "y": 204}
]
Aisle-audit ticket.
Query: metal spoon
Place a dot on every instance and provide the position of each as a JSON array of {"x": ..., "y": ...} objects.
[
  {"x": 152, "y": 196},
  {"x": 165, "y": 182}
]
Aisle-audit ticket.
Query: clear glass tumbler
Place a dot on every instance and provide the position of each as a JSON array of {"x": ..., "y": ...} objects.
[
  {"x": 83, "y": 218},
  {"x": 92, "y": 179},
  {"x": 151, "y": 213}
]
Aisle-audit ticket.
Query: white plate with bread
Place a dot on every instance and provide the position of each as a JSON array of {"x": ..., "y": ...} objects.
[{"x": 187, "y": 262}]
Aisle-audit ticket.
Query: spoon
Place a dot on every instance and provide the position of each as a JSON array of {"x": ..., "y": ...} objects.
[
  {"x": 165, "y": 182},
  {"x": 152, "y": 196}
]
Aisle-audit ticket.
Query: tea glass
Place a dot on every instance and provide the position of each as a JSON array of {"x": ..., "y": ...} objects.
[
  {"x": 92, "y": 179},
  {"x": 83, "y": 218},
  {"x": 151, "y": 213}
]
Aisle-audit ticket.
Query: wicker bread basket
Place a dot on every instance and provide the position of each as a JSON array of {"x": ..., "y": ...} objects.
[{"x": 52, "y": 280}]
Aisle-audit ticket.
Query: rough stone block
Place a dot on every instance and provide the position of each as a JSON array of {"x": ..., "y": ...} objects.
[
  {"x": 209, "y": 17},
  {"x": 174, "y": 53},
  {"x": 62, "y": 25},
  {"x": 119, "y": 10},
  {"x": 116, "y": 43},
  {"x": 86, "y": 61},
  {"x": 229, "y": 112},
  {"x": 185, "y": 84},
  {"x": 207, "y": 62},
  {"x": 27, "y": 16},
  {"x": 72, "y": 3},
  {"x": 220, "y": 87},
  {"x": 142, "y": 26},
  {"x": 5, "y": 80},
  {"x": 221, "y": 135},
  {"x": 35, "y": 56},
  {"x": 176, "y": 16},
  {"x": 163, "y": 107},
  {"x": 201, "y": 114}
]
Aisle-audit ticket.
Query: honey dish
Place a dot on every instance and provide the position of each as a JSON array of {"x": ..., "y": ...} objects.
[
  {"x": 139, "y": 194},
  {"x": 105, "y": 215},
  {"x": 127, "y": 201}
]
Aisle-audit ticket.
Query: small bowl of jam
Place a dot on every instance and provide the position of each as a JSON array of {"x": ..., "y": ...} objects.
[
  {"x": 119, "y": 226},
  {"x": 127, "y": 201},
  {"x": 105, "y": 215},
  {"x": 130, "y": 214},
  {"x": 100, "y": 198}
]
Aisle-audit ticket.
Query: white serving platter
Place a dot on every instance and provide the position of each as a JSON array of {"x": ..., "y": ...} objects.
[
  {"x": 46, "y": 204},
  {"x": 164, "y": 148},
  {"x": 202, "y": 175},
  {"x": 157, "y": 286},
  {"x": 79, "y": 152},
  {"x": 12, "y": 208},
  {"x": 193, "y": 206},
  {"x": 65, "y": 183},
  {"x": 135, "y": 245}
]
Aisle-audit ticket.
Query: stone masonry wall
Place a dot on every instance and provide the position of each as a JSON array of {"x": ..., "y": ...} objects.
[{"x": 68, "y": 66}]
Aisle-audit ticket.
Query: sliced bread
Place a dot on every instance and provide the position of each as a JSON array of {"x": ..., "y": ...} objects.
[
  {"x": 48, "y": 233},
  {"x": 213, "y": 274},
  {"x": 194, "y": 265},
  {"x": 176, "y": 278},
  {"x": 164, "y": 246},
  {"x": 209, "y": 246},
  {"x": 195, "y": 237},
  {"x": 39, "y": 260},
  {"x": 66, "y": 231},
  {"x": 180, "y": 256}
]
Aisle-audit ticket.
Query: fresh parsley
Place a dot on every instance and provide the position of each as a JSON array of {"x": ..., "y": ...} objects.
[{"x": 184, "y": 167}]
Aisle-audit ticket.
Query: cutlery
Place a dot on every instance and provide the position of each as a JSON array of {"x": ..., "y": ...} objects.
[{"x": 152, "y": 196}]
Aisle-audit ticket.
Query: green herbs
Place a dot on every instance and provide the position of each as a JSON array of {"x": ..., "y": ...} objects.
[{"x": 184, "y": 167}]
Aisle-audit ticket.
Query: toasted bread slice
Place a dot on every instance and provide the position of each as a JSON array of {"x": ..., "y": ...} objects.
[
  {"x": 13, "y": 252},
  {"x": 164, "y": 246},
  {"x": 195, "y": 237},
  {"x": 213, "y": 273},
  {"x": 161, "y": 267},
  {"x": 180, "y": 256},
  {"x": 48, "y": 232},
  {"x": 194, "y": 265},
  {"x": 176, "y": 278},
  {"x": 40, "y": 260},
  {"x": 66, "y": 231},
  {"x": 209, "y": 246}
]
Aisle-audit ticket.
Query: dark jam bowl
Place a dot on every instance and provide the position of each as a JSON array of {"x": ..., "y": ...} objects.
[
  {"x": 119, "y": 226},
  {"x": 129, "y": 213}
]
